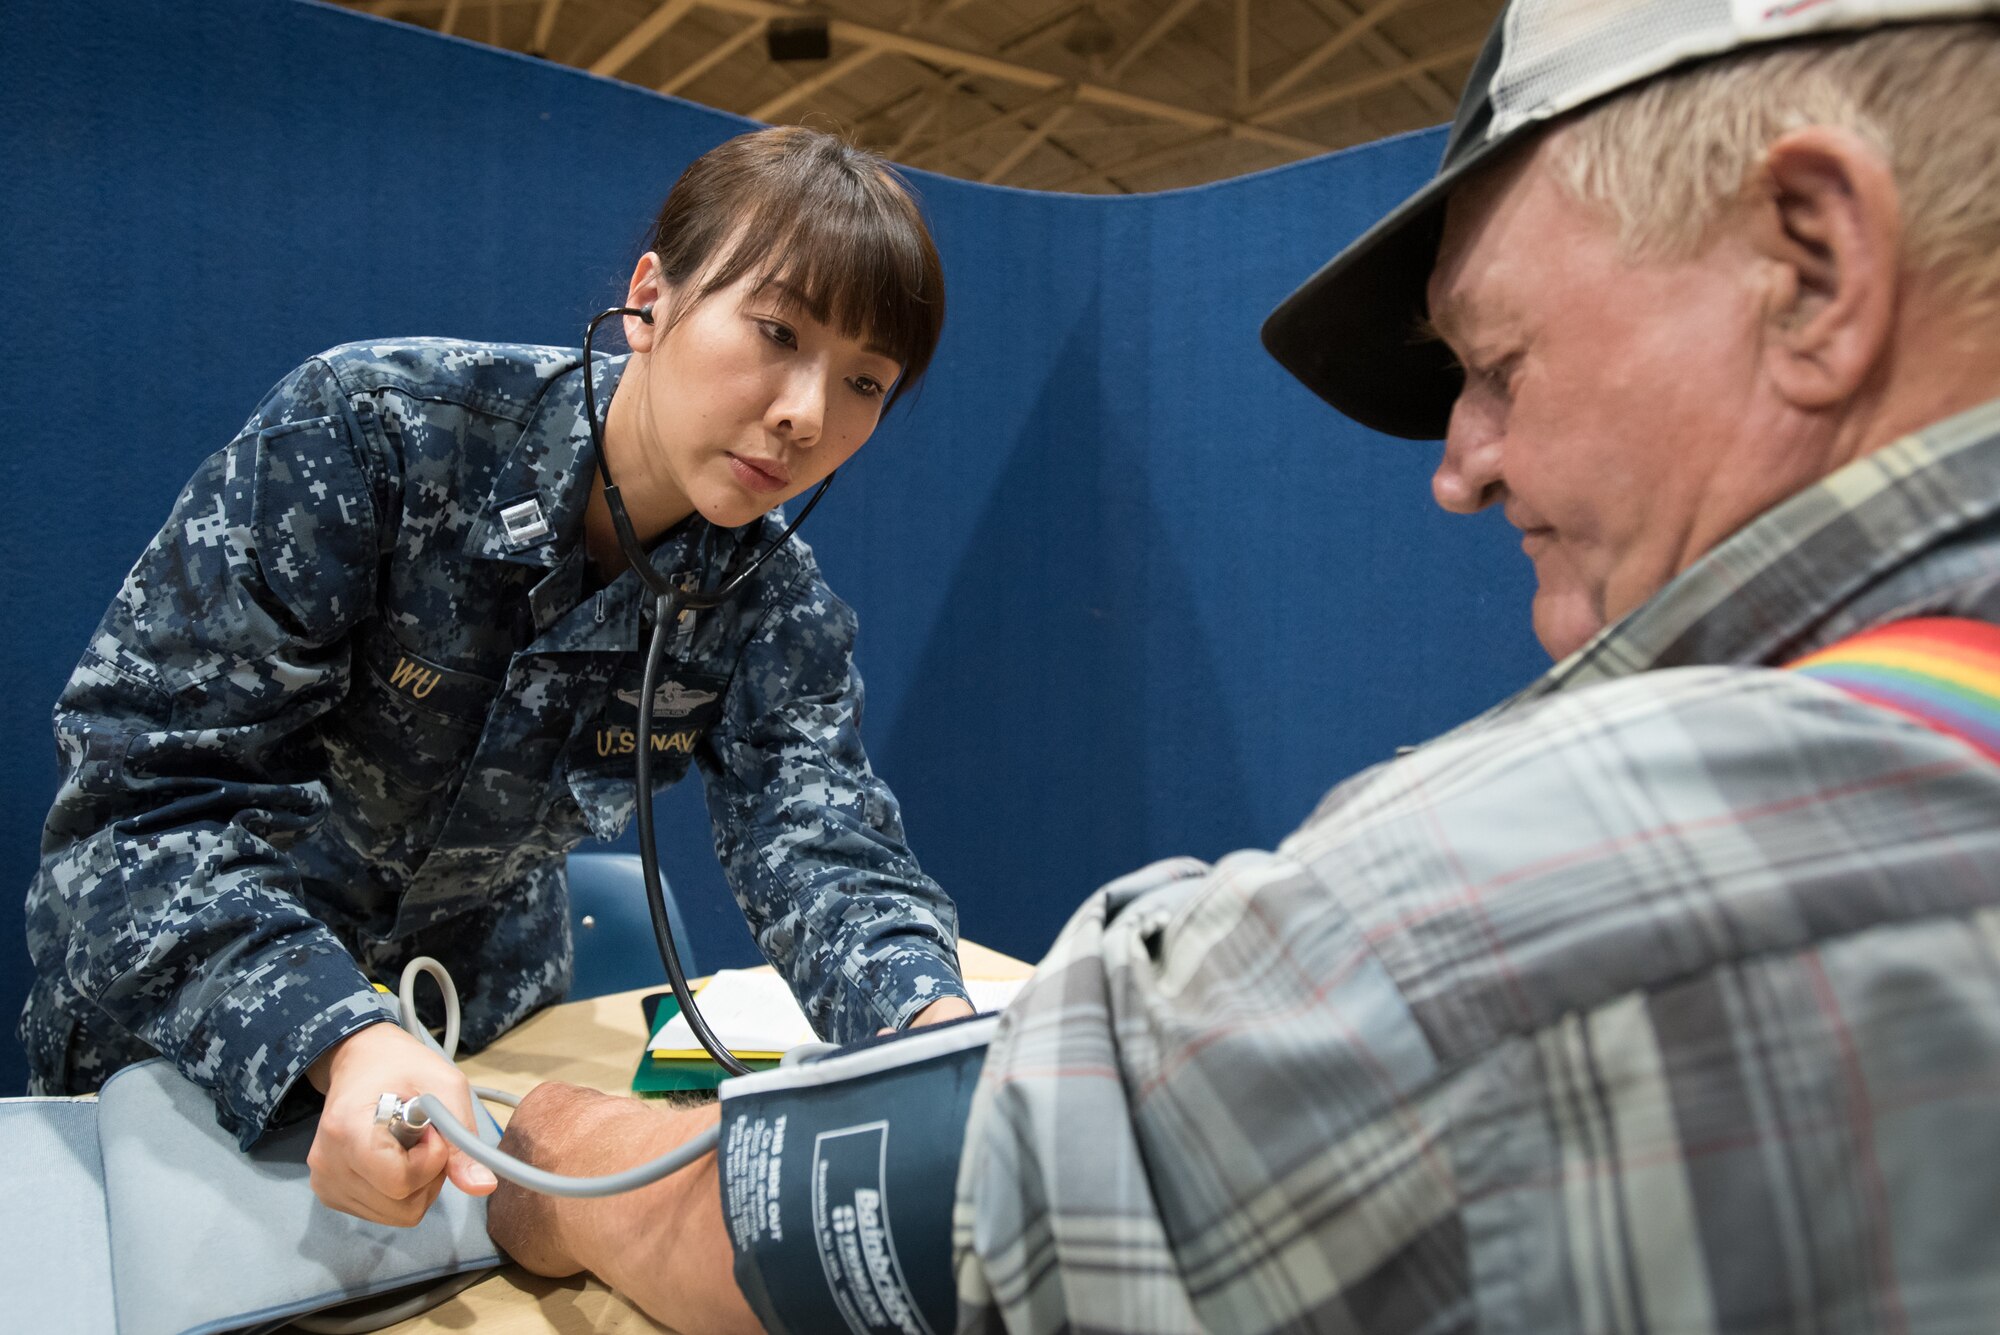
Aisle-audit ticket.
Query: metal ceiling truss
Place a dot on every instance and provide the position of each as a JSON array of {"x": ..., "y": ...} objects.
[{"x": 1056, "y": 129}]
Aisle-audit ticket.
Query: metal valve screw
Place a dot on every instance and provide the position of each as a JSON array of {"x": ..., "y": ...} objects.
[{"x": 404, "y": 1120}]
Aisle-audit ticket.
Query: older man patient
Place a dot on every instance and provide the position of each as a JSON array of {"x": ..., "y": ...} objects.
[{"x": 1665, "y": 996}]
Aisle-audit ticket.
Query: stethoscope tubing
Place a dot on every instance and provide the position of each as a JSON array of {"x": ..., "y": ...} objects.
[{"x": 669, "y": 604}]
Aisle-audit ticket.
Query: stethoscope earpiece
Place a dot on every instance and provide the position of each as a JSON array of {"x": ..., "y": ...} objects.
[{"x": 646, "y": 312}]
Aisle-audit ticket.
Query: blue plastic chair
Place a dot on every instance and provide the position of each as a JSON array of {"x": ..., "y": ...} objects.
[{"x": 613, "y": 929}]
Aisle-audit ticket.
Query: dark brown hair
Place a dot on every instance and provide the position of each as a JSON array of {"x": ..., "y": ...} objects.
[{"x": 833, "y": 224}]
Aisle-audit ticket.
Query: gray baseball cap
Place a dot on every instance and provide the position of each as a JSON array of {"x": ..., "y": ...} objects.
[{"x": 1351, "y": 333}]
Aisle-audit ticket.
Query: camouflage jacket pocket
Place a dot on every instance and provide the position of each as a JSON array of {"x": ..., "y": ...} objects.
[{"x": 401, "y": 740}]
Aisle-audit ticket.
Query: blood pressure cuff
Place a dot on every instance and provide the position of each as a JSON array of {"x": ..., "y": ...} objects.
[{"x": 837, "y": 1182}]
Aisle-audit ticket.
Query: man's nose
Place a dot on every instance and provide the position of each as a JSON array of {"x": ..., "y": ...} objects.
[
  {"x": 1467, "y": 479},
  {"x": 799, "y": 410}
]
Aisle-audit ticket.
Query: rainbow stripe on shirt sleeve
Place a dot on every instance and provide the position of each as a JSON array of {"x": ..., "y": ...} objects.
[{"x": 1943, "y": 672}]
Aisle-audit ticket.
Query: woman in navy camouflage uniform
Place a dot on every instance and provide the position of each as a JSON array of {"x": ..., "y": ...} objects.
[{"x": 379, "y": 672}]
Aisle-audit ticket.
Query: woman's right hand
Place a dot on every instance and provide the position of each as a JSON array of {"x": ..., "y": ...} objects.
[{"x": 357, "y": 1166}]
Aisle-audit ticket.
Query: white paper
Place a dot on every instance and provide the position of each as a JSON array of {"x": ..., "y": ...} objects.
[{"x": 751, "y": 1010}]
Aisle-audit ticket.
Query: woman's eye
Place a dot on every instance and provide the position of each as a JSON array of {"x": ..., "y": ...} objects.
[
  {"x": 779, "y": 334},
  {"x": 867, "y": 386}
]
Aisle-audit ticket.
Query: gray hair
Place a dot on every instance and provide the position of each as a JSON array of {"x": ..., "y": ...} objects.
[{"x": 1668, "y": 160}]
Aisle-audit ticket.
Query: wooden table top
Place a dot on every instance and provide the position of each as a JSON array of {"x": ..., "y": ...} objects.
[{"x": 594, "y": 1043}]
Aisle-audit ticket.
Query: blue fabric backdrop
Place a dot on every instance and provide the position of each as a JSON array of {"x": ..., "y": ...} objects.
[{"x": 1125, "y": 589}]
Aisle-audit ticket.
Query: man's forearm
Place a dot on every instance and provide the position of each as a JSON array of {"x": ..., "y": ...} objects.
[{"x": 664, "y": 1246}]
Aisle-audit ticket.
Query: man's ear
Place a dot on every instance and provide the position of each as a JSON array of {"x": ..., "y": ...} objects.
[
  {"x": 649, "y": 287},
  {"x": 1826, "y": 220}
]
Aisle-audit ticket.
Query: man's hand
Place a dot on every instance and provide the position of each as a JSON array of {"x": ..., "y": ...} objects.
[
  {"x": 663, "y": 1246},
  {"x": 357, "y": 1167}
]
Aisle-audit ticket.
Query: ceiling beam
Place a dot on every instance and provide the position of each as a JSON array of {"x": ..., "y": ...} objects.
[
  {"x": 391, "y": 8},
  {"x": 1328, "y": 49},
  {"x": 922, "y": 48},
  {"x": 952, "y": 57},
  {"x": 1152, "y": 157},
  {"x": 1242, "y": 102},
  {"x": 805, "y": 88},
  {"x": 953, "y": 82},
  {"x": 936, "y": 11},
  {"x": 918, "y": 124},
  {"x": 1051, "y": 23},
  {"x": 716, "y": 54},
  {"x": 1147, "y": 40},
  {"x": 1260, "y": 116},
  {"x": 1353, "y": 88},
  {"x": 1440, "y": 100},
  {"x": 947, "y": 86},
  {"x": 1253, "y": 130},
  {"x": 1141, "y": 44},
  {"x": 921, "y": 101},
  {"x": 1054, "y": 99},
  {"x": 1034, "y": 106},
  {"x": 1029, "y": 142},
  {"x": 929, "y": 86},
  {"x": 545, "y": 26},
  {"x": 947, "y": 80},
  {"x": 643, "y": 34}
]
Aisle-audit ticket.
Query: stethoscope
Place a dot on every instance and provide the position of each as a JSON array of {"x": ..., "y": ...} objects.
[
  {"x": 669, "y": 603},
  {"x": 405, "y": 1119}
]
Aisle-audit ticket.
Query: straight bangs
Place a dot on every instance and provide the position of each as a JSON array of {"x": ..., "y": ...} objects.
[{"x": 832, "y": 227}]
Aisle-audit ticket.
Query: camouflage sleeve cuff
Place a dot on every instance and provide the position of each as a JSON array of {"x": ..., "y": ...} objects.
[
  {"x": 255, "y": 1043},
  {"x": 911, "y": 976}
]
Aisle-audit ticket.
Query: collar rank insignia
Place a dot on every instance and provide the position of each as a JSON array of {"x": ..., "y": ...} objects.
[{"x": 524, "y": 523}]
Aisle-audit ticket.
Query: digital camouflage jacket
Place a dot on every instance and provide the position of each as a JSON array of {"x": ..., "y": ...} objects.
[{"x": 354, "y": 704}]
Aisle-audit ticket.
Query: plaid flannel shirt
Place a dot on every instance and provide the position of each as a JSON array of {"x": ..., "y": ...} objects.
[{"x": 1664, "y": 997}]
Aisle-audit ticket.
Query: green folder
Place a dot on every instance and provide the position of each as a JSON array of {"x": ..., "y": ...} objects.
[{"x": 658, "y": 1076}]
